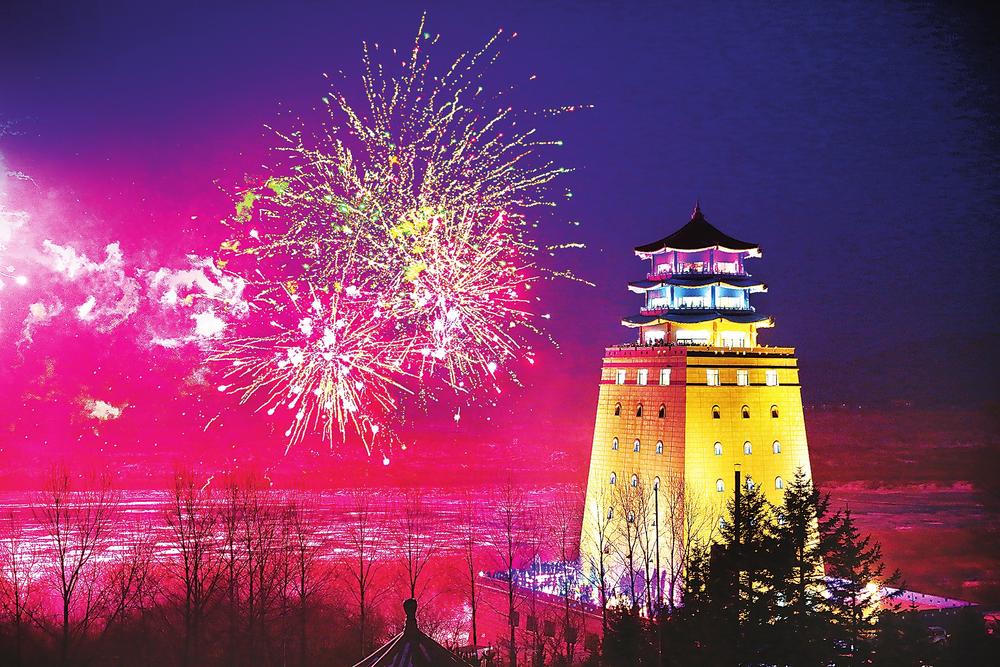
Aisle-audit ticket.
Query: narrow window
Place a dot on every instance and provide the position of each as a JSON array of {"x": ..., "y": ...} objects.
[
  {"x": 746, "y": 412},
  {"x": 630, "y": 517},
  {"x": 712, "y": 377},
  {"x": 664, "y": 377},
  {"x": 659, "y": 446},
  {"x": 743, "y": 378},
  {"x": 776, "y": 447},
  {"x": 635, "y": 445},
  {"x": 747, "y": 448},
  {"x": 638, "y": 410},
  {"x": 722, "y": 523},
  {"x": 643, "y": 376},
  {"x": 614, "y": 478},
  {"x": 611, "y": 513},
  {"x": 662, "y": 412},
  {"x": 720, "y": 486},
  {"x": 614, "y": 444},
  {"x": 635, "y": 481},
  {"x": 771, "y": 378},
  {"x": 779, "y": 483},
  {"x": 774, "y": 412},
  {"x": 618, "y": 409},
  {"x": 620, "y": 376},
  {"x": 718, "y": 449},
  {"x": 716, "y": 413}
]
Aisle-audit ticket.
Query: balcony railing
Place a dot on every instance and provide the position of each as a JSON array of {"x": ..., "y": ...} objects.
[
  {"x": 656, "y": 310},
  {"x": 718, "y": 270}
]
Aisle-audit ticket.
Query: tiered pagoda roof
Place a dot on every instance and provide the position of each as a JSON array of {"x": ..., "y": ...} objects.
[
  {"x": 698, "y": 234},
  {"x": 697, "y": 276}
]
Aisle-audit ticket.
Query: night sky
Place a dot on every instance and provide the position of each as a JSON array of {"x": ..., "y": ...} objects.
[{"x": 856, "y": 143}]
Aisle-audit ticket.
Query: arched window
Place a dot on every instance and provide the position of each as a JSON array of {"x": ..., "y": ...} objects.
[
  {"x": 635, "y": 445},
  {"x": 774, "y": 412},
  {"x": 618, "y": 409},
  {"x": 638, "y": 410},
  {"x": 720, "y": 486},
  {"x": 716, "y": 413},
  {"x": 614, "y": 478},
  {"x": 659, "y": 446},
  {"x": 747, "y": 448},
  {"x": 718, "y": 449},
  {"x": 662, "y": 412},
  {"x": 776, "y": 447},
  {"x": 656, "y": 483},
  {"x": 630, "y": 517},
  {"x": 635, "y": 481},
  {"x": 722, "y": 523},
  {"x": 750, "y": 484},
  {"x": 779, "y": 483},
  {"x": 614, "y": 444},
  {"x": 746, "y": 412},
  {"x": 611, "y": 513}
]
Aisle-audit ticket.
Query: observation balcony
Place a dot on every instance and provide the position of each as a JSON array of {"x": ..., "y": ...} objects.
[
  {"x": 665, "y": 348},
  {"x": 657, "y": 310},
  {"x": 719, "y": 269}
]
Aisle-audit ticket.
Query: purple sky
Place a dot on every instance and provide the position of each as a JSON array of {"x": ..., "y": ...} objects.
[{"x": 856, "y": 143}]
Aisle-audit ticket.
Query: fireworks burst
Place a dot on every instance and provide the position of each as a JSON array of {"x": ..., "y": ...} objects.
[
  {"x": 10, "y": 219},
  {"x": 390, "y": 250}
]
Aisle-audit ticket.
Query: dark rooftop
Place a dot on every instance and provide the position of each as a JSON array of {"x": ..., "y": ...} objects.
[
  {"x": 697, "y": 234},
  {"x": 412, "y": 648}
]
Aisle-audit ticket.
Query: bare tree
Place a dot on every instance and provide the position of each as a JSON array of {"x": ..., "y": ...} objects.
[
  {"x": 77, "y": 526},
  {"x": 305, "y": 577},
  {"x": 192, "y": 521},
  {"x": 19, "y": 568},
  {"x": 564, "y": 527},
  {"x": 647, "y": 535},
  {"x": 258, "y": 543},
  {"x": 130, "y": 585},
  {"x": 507, "y": 538},
  {"x": 417, "y": 536},
  {"x": 470, "y": 532},
  {"x": 597, "y": 541},
  {"x": 628, "y": 501},
  {"x": 689, "y": 522},
  {"x": 229, "y": 510},
  {"x": 365, "y": 530}
]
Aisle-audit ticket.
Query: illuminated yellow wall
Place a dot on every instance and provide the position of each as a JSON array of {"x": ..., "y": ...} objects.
[
  {"x": 701, "y": 466},
  {"x": 689, "y": 431}
]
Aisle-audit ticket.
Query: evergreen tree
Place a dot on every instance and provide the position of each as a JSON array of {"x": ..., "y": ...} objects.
[
  {"x": 743, "y": 572},
  {"x": 856, "y": 587},
  {"x": 628, "y": 640},
  {"x": 699, "y": 632},
  {"x": 902, "y": 641},
  {"x": 969, "y": 644},
  {"x": 797, "y": 569}
]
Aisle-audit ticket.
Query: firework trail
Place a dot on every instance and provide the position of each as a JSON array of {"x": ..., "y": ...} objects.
[{"x": 390, "y": 251}]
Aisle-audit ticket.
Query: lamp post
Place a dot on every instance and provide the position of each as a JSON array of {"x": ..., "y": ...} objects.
[{"x": 656, "y": 530}]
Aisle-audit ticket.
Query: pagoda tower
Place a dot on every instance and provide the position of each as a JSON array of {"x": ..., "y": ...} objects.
[{"x": 693, "y": 405}]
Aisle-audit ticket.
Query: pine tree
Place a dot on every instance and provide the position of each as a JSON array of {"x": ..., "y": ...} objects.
[
  {"x": 902, "y": 641},
  {"x": 857, "y": 587},
  {"x": 699, "y": 632},
  {"x": 628, "y": 640},
  {"x": 747, "y": 560},
  {"x": 797, "y": 569}
]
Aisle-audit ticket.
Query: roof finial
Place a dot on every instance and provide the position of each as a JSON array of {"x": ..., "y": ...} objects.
[
  {"x": 697, "y": 209},
  {"x": 410, "y": 607}
]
